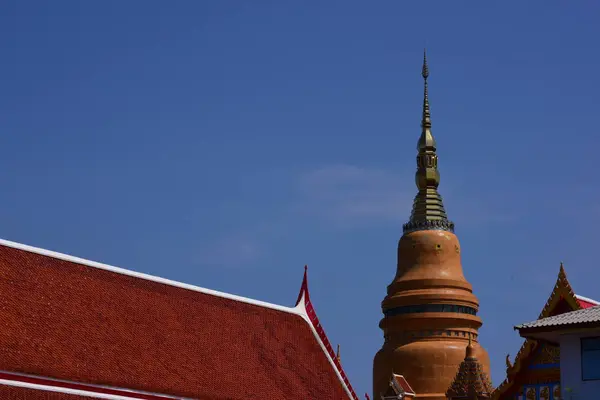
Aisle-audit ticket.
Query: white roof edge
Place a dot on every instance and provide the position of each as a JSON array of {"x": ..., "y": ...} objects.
[
  {"x": 301, "y": 310},
  {"x": 123, "y": 271},
  {"x": 92, "y": 386},
  {"x": 587, "y": 299},
  {"x": 57, "y": 389}
]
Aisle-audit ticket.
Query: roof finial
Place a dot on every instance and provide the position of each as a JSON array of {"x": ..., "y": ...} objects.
[
  {"x": 470, "y": 349},
  {"x": 337, "y": 354},
  {"x": 428, "y": 209},
  {"x": 304, "y": 288}
]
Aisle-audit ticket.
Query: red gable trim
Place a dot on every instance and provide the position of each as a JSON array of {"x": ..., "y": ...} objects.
[
  {"x": 304, "y": 302},
  {"x": 9, "y": 378},
  {"x": 585, "y": 302}
]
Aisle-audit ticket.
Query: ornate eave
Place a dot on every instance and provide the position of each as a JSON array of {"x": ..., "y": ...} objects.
[
  {"x": 562, "y": 291},
  {"x": 428, "y": 225}
]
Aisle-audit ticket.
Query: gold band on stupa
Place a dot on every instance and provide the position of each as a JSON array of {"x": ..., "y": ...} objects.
[{"x": 428, "y": 211}]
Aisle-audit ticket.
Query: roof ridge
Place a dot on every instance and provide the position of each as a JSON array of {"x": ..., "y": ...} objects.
[{"x": 148, "y": 277}]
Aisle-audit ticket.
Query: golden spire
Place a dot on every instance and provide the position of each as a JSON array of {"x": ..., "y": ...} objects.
[{"x": 428, "y": 209}]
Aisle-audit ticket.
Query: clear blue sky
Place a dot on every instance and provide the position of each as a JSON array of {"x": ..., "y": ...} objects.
[{"x": 228, "y": 143}]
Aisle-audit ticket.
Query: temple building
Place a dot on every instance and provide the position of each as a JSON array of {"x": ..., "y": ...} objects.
[
  {"x": 535, "y": 372},
  {"x": 430, "y": 311},
  {"x": 77, "y": 329},
  {"x": 577, "y": 334}
]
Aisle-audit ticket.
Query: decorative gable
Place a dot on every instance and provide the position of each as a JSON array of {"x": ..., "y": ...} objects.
[{"x": 532, "y": 355}]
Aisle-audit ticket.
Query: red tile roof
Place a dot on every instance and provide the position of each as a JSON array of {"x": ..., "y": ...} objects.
[{"x": 76, "y": 320}]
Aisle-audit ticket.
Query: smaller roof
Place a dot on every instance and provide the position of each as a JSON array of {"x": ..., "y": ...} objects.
[
  {"x": 398, "y": 388},
  {"x": 584, "y": 316},
  {"x": 470, "y": 381},
  {"x": 401, "y": 381}
]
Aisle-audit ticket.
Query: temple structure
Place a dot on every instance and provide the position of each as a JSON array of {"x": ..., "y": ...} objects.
[
  {"x": 535, "y": 373},
  {"x": 430, "y": 311},
  {"x": 77, "y": 329},
  {"x": 471, "y": 382}
]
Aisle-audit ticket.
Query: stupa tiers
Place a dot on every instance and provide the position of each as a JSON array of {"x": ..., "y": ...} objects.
[{"x": 430, "y": 310}]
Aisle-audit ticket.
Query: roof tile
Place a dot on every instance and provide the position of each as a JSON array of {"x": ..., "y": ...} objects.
[
  {"x": 70, "y": 321},
  {"x": 586, "y": 315}
]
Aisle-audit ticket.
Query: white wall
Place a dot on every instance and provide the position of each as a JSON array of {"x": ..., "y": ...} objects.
[{"x": 570, "y": 369}]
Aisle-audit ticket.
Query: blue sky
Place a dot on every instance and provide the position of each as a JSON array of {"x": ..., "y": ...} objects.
[{"x": 228, "y": 143}]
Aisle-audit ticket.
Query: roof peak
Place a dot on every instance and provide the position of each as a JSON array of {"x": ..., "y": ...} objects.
[
  {"x": 303, "y": 295},
  {"x": 428, "y": 210}
]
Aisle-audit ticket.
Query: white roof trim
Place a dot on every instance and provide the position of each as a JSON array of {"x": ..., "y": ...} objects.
[
  {"x": 299, "y": 309},
  {"x": 78, "y": 392},
  {"x": 140, "y": 275},
  {"x": 90, "y": 385},
  {"x": 405, "y": 380},
  {"x": 587, "y": 299}
]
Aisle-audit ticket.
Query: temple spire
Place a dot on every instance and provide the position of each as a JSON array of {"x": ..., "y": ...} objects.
[
  {"x": 426, "y": 120},
  {"x": 428, "y": 209}
]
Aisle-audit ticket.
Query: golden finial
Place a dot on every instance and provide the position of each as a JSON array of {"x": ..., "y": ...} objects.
[
  {"x": 428, "y": 209},
  {"x": 470, "y": 349},
  {"x": 337, "y": 354}
]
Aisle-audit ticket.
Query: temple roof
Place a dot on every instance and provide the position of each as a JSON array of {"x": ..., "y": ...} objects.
[
  {"x": 584, "y": 316},
  {"x": 79, "y": 322},
  {"x": 562, "y": 293},
  {"x": 470, "y": 379}
]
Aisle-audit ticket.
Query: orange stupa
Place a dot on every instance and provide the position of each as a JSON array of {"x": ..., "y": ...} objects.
[{"x": 430, "y": 310}]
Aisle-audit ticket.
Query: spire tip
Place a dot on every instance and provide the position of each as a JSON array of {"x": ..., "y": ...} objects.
[{"x": 425, "y": 71}]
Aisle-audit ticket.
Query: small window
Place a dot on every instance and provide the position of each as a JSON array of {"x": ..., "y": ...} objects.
[{"x": 590, "y": 358}]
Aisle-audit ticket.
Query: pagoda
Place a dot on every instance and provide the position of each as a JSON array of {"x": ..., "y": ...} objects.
[{"x": 430, "y": 311}]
